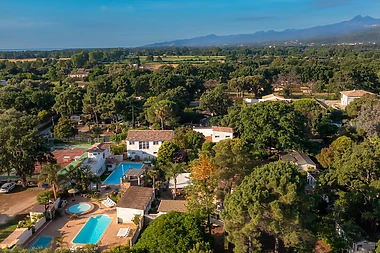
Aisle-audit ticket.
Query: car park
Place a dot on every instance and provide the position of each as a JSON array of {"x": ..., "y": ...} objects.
[{"x": 7, "y": 187}]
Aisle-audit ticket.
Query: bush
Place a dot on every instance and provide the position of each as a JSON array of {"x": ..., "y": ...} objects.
[{"x": 117, "y": 149}]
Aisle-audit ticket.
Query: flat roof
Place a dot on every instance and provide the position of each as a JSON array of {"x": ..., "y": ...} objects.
[
  {"x": 136, "y": 197},
  {"x": 183, "y": 180},
  {"x": 172, "y": 205}
]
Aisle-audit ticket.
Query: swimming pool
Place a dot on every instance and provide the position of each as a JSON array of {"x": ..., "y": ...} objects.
[
  {"x": 42, "y": 242},
  {"x": 115, "y": 176},
  {"x": 93, "y": 230},
  {"x": 79, "y": 208}
]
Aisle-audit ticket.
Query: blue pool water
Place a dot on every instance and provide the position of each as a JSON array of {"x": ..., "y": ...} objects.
[
  {"x": 42, "y": 242},
  {"x": 79, "y": 208},
  {"x": 119, "y": 172},
  {"x": 93, "y": 230}
]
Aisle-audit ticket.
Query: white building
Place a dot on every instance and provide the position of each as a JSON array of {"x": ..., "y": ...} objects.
[
  {"x": 304, "y": 163},
  {"x": 144, "y": 144},
  {"x": 135, "y": 201},
  {"x": 97, "y": 156},
  {"x": 270, "y": 97},
  {"x": 81, "y": 73},
  {"x": 215, "y": 133},
  {"x": 347, "y": 97}
]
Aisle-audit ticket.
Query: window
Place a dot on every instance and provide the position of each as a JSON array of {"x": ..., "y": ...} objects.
[
  {"x": 143, "y": 144},
  {"x": 227, "y": 136},
  {"x": 155, "y": 142},
  {"x": 131, "y": 143},
  {"x": 216, "y": 136},
  {"x": 155, "y": 153}
]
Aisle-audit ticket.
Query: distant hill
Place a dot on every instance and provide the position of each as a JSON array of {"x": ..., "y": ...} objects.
[{"x": 358, "y": 27}]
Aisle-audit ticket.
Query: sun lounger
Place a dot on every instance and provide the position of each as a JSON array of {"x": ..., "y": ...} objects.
[
  {"x": 108, "y": 202},
  {"x": 123, "y": 232},
  {"x": 75, "y": 248}
]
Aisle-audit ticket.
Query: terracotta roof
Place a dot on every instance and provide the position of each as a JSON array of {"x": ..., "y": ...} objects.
[
  {"x": 99, "y": 147},
  {"x": 172, "y": 205},
  {"x": 136, "y": 197},
  {"x": 222, "y": 129},
  {"x": 272, "y": 96},
  {"x": 150, "y": 135},
  {"x": 208, "y": 139},
  {"x": 355, "y": 93}
]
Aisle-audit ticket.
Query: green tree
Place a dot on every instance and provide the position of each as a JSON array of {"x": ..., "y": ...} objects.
[
  {"x": 187, "y": 138},
  {"x": 216, "y": 101},
  {"x": 352, "y": 184},
  {"x": 234, "y": 161},
  {"x": 83, "y": 177},
  {"x": 273, "y": 125},
  {"x": 166, "y": 152},
  {"x": 353, "y": 108},
  {"x": 49, "y": 174},
  {"x": 328, "y": 155},
  {"x": 65, "y": 129},
  {"x": 369, "y": 120},
  {"x": 201, "y": 247},
  {"x": 272, "y": 201},
  {"x": 172, "y": 170},
  {"x": 162, "y": 112},
  {"x": 44, "y": 198},
  {"x": 79, "y": 59},
  {"x": 171, "y": 232}
]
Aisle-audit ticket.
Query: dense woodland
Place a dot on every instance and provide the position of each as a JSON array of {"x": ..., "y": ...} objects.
[{"x": 261, "y": 195}]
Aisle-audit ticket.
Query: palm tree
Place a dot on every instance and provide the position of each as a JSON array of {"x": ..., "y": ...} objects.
[
  {"x": 49, "y": 174},
  {"x": 83, "y": 177},
  {"x": 154, "y": 175},
  {"x": 173, "y": 170},
  {"x": 163, "y": 111}
]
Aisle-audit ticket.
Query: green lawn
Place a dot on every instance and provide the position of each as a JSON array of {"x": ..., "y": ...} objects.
[{"x": 8, "y": 228}]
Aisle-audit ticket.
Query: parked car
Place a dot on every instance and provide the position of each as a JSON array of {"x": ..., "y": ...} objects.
[{"x": 7, "y": 187}]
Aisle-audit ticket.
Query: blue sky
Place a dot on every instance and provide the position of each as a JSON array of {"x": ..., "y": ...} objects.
[{"x": 125, "y": 23}]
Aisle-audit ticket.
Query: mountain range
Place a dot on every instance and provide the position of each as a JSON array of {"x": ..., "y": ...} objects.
[{"x": 358, "y": 29}]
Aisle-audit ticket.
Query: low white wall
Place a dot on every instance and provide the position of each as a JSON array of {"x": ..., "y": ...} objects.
[
  {"x": 39, "y": 223},
  {"x": 139, "y": 228},
  {"x": 24, "y": 236}
]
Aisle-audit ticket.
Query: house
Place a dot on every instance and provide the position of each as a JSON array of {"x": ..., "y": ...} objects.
[
  {"x": 171, "y": 205},
  {"x": 135, "y": 201},
  {"x": 347, "y": 97},
  {"x": 304, "y": 163},
  {"x": 270, "y": 97},
  {"x": 81, "y": 73},
  {"x": 355, "y": 237},
  {"x": 97, "y": 156},
  {"x": 144, "y": 144},
  {"x": 215, "y": 133}
]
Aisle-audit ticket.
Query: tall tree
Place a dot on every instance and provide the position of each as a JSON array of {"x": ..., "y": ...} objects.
[
  {"x": 172, "y": 170},
  {"x": 163, "y": 112},
  {"x": 65, "y": 129},
  {"x": 274, "y": 125},
  {"x": 83, "y": 177},
  {"x": 216, "y": 101},
  {"x": 49, "y": 174},
  {"x": 272, "y": 201}
]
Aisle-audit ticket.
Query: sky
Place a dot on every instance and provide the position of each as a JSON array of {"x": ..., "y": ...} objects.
[{"x": 42, "y": 24}]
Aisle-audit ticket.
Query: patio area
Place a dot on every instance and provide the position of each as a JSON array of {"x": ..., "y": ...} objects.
[{"x": 68, "y": 229}]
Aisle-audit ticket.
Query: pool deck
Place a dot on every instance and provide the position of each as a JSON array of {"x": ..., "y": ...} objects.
[{"x": 70, "y": 228}]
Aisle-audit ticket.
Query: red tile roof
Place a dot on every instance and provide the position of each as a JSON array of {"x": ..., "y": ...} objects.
[
  {"x": 355, "y": 93},
  {"x": 222, "y": 129},
  {"x": 150, "y": 135}
]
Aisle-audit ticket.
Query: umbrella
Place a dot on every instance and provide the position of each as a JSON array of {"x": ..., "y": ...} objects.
[{"x": 73, "y": 191}]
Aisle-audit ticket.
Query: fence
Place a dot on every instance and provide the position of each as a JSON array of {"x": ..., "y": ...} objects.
[
  {"x": 40, "y": 223},
  {"x": 136, "y": 234}
]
